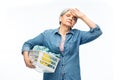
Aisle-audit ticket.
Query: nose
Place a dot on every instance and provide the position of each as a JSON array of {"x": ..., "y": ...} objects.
[{"x": 70, "y": 17}]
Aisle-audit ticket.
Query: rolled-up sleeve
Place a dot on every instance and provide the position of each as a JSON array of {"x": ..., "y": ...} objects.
[
  {"x": 28, "y": 45},
  {"x": 87, "y": 36}
]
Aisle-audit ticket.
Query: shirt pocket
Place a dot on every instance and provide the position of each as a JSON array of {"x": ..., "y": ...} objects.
[
  {"x": 71, "y": 46},
  {"x": 54, "y": 45}
]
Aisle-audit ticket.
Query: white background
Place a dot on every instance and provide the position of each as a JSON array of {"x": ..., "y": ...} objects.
[{"x": 25, "y": 19}]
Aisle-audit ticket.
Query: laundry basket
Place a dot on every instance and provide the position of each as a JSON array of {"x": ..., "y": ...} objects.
[{"x": 44, "y": 61}]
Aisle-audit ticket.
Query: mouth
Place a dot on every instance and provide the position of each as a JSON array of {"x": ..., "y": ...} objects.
[{"x": 69, "y": 21}]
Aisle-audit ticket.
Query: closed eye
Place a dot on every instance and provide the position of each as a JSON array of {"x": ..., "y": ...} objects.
[{"x": 68, "y": 15}]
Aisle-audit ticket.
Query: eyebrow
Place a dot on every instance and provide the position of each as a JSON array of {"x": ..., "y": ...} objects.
[{"x": 71, "y": 14}]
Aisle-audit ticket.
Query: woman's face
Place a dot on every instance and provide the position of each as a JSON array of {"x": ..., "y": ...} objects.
[{"x": 68, "y": 19}]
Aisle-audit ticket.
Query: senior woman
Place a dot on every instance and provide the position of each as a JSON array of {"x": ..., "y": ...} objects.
[{"x": 64, "y": 41}]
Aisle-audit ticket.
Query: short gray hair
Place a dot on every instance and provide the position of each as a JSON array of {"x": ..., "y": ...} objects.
[{"x": 63, "y": 12}]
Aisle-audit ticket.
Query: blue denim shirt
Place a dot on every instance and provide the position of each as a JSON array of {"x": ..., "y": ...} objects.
[{"x": 68, "y": 68}]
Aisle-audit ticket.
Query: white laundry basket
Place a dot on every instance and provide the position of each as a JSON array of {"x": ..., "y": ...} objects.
[{"x": 44, "y": 61}]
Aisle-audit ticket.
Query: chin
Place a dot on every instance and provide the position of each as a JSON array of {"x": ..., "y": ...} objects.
[{"x": 70, "y": 27}]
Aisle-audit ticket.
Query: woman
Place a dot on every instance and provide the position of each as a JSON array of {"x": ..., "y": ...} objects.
[{"x": 64, "y": 41}]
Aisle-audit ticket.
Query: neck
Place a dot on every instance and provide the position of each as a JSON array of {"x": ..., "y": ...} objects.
[{"x": 63, "y": 30}]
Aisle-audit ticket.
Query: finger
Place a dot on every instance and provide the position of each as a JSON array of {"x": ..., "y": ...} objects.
[
  {"x": 72, "y": 12},
  {"x": 76, "y": 9},
  {"x": 30, "y": 65}
]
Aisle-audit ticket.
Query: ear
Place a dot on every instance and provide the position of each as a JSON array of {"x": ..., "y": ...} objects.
[{"x": 60, "y": 18}]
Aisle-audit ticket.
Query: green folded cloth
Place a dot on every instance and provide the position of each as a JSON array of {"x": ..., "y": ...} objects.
[{"x": 44, "y": 49}]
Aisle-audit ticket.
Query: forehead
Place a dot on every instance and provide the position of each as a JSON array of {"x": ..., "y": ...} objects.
[{"x": 68, "y": 12}]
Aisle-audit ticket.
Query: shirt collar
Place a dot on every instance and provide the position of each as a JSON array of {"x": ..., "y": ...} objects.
[{"x": 56, "y": 31}]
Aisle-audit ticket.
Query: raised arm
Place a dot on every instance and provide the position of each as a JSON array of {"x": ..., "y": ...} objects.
[
  {"x": 93, "y": 33},
  {"x": 77, "y": 13}
]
